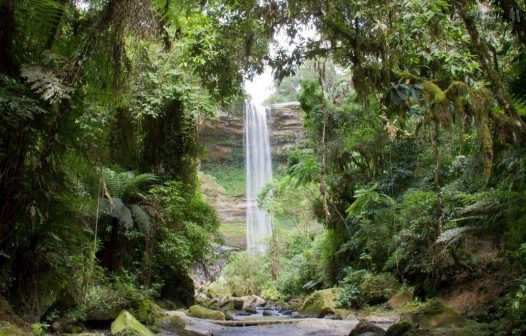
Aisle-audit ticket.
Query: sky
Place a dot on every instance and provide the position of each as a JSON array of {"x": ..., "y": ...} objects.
[{"x": 262, "y": 86}]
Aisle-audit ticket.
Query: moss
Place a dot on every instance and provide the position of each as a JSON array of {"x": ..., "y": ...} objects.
[
  {"x": 433, "y": 314},
  {"x": 437, "y": 102},
  {"x": 320, "y": 302},
  {"x": 149, "y": 311},
  {"x": 174, "y": 323},
  {"x": 125, "y": 323},
  {"x": 487, "y": 150},
  {"x": 205, "y": 313},
  {"x": 378, "y": 289},
  {"x": 218, "y": 289}
]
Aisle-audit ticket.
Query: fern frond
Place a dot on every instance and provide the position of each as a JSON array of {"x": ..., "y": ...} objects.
[
  {"x": 126, "y": 184},
  {"x": 45, "y": 83}
]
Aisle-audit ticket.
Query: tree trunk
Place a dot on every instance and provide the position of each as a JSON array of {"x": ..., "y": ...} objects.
[
  {"x": 7, "y": 25},
  {"x": 480, "y": 47},
  {"x": 512, "y": 14}
]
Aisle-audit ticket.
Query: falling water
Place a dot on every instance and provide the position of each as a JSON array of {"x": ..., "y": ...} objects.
[{"x": 259, "y": 172}]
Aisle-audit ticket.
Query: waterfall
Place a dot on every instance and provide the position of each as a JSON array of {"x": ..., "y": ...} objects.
[{"x": 259, "y": 172}]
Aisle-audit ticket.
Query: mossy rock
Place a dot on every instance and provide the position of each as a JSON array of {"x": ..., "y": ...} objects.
[
  {"x": 367, "y": 329},
  {"x": 86, "y": 334},
  {"x": 218, "y": 289},
  {"x": 149, "y": 312},
  {"x": 174, "y": 323},
  {"x": 401, "y": 298},
  {"x": 320, "y": 303},
  {"x": 399, "y": 329},
  {"x": 433, "y": 314},
  {"x": 205, "y": 313},
  {"x": 126, "y": 324},
  {"x": 8, "y": 329},
  {"x": 378, "y": 288}
]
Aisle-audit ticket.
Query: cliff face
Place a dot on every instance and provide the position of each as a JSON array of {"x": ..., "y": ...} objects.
[
  {"x": 286, "y": 130},
  {"x": 224, "y": 156}
]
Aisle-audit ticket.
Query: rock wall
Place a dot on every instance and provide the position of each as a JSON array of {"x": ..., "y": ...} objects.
[{"x": 223, "y": 142}]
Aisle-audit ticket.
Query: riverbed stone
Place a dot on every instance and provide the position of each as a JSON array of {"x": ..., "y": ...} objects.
[
  {"x": 173, "y": 323},
  {"x": 126, "y": 323},
  {"x": 367, "y": 329},
  {"x": 205, "y": 313},
  {"x": 400, "y": 328},
  {"x": 320, "y": 303}
]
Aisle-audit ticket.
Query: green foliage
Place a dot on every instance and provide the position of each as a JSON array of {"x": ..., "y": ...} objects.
[
  {"x": 361, "y": 287},
  {"x": 245, "y": 274},
  {"x": 126, "y": 185},
  {"x": 188, "y": 226},
  {"x": 415, "y": 231}
]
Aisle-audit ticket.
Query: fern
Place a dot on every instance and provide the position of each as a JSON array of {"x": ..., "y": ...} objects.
[
  {"x": 45, "y": 83},
  {"x": 126, "y": 184}
]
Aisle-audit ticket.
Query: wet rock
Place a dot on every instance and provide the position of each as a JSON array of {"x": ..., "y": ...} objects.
[
  {"x": 258, "y": 302},
  {"x": 286, "y": 312},
  {"x": 125, "y": 323},
  {"x": 332, "y": 317},
  {"x": 295, "y": 315},
  {"x": 205, "y": 313},
  {"x": 66, "y": 326},
  {"x": 320, "y": 303},
  {"x": 401, "y": 328},
  {"x": 367, "y": 329},
  {"x": 268, "y": 313},
  {"x": 250, "y": 310},
  {"x": 229, "y": 316}
]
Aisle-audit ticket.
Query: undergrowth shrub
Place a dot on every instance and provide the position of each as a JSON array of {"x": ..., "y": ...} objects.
[{"x": 246, "y": 274}]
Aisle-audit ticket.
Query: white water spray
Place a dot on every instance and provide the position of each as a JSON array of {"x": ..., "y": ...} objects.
[{"x": 259, "y": 172}]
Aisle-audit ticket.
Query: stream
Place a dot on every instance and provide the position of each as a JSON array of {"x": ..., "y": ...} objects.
[{"x": 259, "y": 325}]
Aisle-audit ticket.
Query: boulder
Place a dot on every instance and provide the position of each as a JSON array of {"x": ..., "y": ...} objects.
[
  {"x": 218, "y": 289},
  {"x": 320, "y": 303},
  {"x": 401, "y": 298},
  {"x": 367, "y": 329},
  {"x": 106, "y": 312},
  {"x": 378, "y": 288},
  {"x": 205, "y": 313},
  {"x": 149, "y": 312},
  {"x": 258, "y": 302},
  {"x": 345, "y": 314},
  {"x": 434, "y": 314},
  {"x": 70, "y": 326},
  {"x": 401, "y": 328},
  {"x": 175, "y": 324},
  {"x": 126, "y": 323}
]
